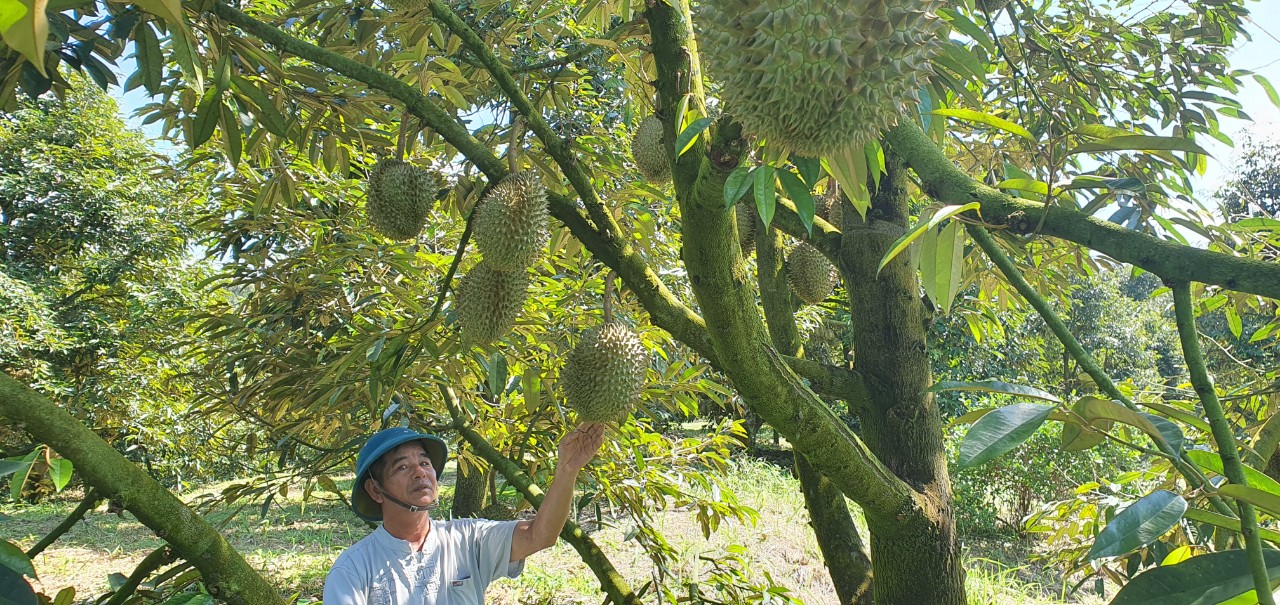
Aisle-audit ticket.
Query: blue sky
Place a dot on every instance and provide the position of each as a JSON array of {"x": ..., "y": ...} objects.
[{"x": 1261, "y": 55}]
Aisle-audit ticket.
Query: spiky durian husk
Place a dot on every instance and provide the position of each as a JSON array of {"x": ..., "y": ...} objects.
[
  {"x": 604, "y": 374},
  {"x": 510, "y": 224},
  {"x": 497, "y": 512},
  {"x": 488, "y": 302},
  {"x": 648, "y": 152},
  {"x": 817, "y": 76},
  {"x": 831, "y": 208},
  {"x": 747, "y": 219},
  {"x": 400, "y": 196},
  {"x": 811, "y": 276}
]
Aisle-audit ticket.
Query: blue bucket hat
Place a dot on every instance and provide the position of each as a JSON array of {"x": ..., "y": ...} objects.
[{"x": 380, "y": 443}]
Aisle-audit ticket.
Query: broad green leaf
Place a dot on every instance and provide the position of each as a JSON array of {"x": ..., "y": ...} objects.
[
  {"x": 992, "y": 386},
  {"x": 1234, "y": 323},
  {"x": 1178, "y": 414},
  {"x": 206, "y": 119},
  {"x": 1076, "y": 438},
  {"x": 800, "y": 196},
  {"x": 1271, "y": 90},
  {"x": 970, "y": 417},
  {"x": 1264, "y": 500},
  {"x": 736, "y": 185},
  {"x": 970, "y": 115},
  {"x": 1212, "y": 461},
  {"x": 29, "y": 33},
  {"x": 1139, "y": 525},
  {"x": 942, "y": 264},
  {"x": 849, "y": 167},
  {"x": 60, "y": 472},
  {"x": 266, "y": 113},
  {"x": 1027, "y": 185},
  {"x": 1178, "y": 555},
  {"x": 150, "y": 59},
  {"x": 1000, "y": 431},
  {"x": 328, "y": 484},
  {"x": 12, "y": 557},
  {"x": 875, "y": 160},
  {"x": 1140, "y": 143},
  {"x": 766, "y": 196},
  {"x": 920, "y": 227},
  {"x": 14, "y": 589},
  {"x": 9, "y": 466},
  {"x": 10, "y": 12},
  {"x": 810, "y": 169},
  {"x": 1102, "y": 131},
  {"x": 1204, "y": 580},
  {"x": 19, "y": 479},
  {"x": 685, "y": 139},
  {"x": 1225, "y": 522},
  {"x": 65, "y": 596},
  {"x": 169, "y": 10},
  {"x": 1094, "y": 407},
  {"x": 1169, "y": 431}
]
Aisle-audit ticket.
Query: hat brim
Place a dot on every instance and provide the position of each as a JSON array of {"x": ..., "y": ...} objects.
[{"x": 362, "y": 504}]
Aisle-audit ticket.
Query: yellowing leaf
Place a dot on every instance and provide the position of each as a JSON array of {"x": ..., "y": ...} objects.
[
  {"x": 10, "y": 12},
  {"x": 169, "y": 10},
  {"x": 29, "y": 33}
]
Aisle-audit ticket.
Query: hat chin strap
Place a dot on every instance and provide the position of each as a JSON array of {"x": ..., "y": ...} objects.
[{"x": 405, "y": 505}]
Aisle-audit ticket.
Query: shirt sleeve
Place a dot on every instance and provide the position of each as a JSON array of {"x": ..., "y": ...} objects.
[
  {"x": 340, "y": 588},
  {"x": 493, "y": 550}
]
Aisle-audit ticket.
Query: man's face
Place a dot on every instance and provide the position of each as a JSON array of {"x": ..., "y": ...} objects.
[{"x": 407, "y": 476}]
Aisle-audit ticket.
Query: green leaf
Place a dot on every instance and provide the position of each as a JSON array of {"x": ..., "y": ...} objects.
[
  {"x": 766, "y": 197},
  {"x": 993, "y": 386},
  {"x": 149, "y": 57},
  {"x": 60, "y": 472},
  {"x": 1139, "y": 525},
  {"x": 12, "y": 557},
  {"x": 266, "y": 112},
  {"x": 19, "y": 479},
  {"x": 1204, "y": 580},
  {"x": 9, "y": 466},
  {"x": 169, "y": 10},
  {"x": 14, "y": 589},
  {"x": 190, "y": 599},
  {"x": 1266, "y": 501},
  {"x": 10, "y": 12},
  {"x": 1154, "y": 426},
  {"x": 970, "y": 115},
  {"x": 1140, "y": 143},
  {"x": 1076, "y": 438},
  {"x": 921, "y": 226},
  {"x": 1000, "y": 431},
  {"x": 685, "y": 139},
  {"x": 1225, "y": 522},
  {"x": 1270, "y": 90},
  {"x": 206, "y": 120},
  {"x": 810, "y": 169},
  {"x": 942, "y": 264},
  {"x": 849, "y": 168},
  {"x": 800, "y": 195},
  {"x": 1213, "y": 462},
  {"x": 1027, "y": 185},
  {"x": 29, "y": 33},
  {"x": 736, "y": 185}
]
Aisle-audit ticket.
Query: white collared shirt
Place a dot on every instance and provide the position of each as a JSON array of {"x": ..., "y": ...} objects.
[{"x": 457, "y": 562}]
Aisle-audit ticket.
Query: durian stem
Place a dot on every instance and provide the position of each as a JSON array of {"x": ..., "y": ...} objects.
[
  {"x": 514, "y": 144},
  {"x": 403, "y": 134},
  {"x": 608, "y": 296}
]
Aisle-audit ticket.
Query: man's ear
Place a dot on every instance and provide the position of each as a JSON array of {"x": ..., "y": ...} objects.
[{"x": 372, "y": 490}]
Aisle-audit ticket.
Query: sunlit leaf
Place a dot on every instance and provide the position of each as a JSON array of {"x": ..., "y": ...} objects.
[
  {"x": 1203, "y": 580},
  {"x": 978, "y": 117},
  {"x": 1142, "y": 523},
  {"x": 29, "y": 33},
  {"x": 1000, "y": 431},
  {"x": 1140, "y": 143},
  {"x": 765, "y": 194},
  {"x": 686, "y": 138},
  {"x": 13, "y": 558},
  {"x": 736, "y": 185},
  {"x": 993, "y": 386},
  {"x": 920, "y": 227}
]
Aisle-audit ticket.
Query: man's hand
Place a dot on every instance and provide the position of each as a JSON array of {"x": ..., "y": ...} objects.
[{"x": 580, "y": 446}]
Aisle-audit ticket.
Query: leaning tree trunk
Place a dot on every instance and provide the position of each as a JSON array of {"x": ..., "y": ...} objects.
[
  {"x": 842, "y": 549},
  {"x": 916, "y": 559},
  {"x": 469, "y": 490},
  {"x": 226, "y": 574}
]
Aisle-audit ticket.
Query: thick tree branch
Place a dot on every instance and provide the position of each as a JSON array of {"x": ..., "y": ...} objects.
[
  {"x": 226, "y": 574},
  {"x": 1222, "y": 434},
  {"x": 945, "y": 182}
]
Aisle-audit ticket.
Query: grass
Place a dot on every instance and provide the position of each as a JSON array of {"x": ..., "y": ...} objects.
[{"x": 294, "y": 544}]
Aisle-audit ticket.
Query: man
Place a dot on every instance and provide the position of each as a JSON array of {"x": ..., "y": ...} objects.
[{"x": 412, "y": 559}]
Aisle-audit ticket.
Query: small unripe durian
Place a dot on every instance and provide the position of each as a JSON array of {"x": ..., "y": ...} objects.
[
  {"x": 811, "y": 276},
  {"x": 648, "y": 152},
  {"x": 400, "y": 196},
  {"x": 510, "y": 224},
  {"x": 488, "y": 302},
  {"x": 747, "y": 219},
  {"x": 831, "y": 208},
  {"x": 497, "y": 512},
  {"x": 604, "y": 374}
]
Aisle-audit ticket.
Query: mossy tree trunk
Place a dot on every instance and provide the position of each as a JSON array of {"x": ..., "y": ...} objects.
[
  {"x": 902, "y": 425},
  {"x": 469, "y": 489},
  {"x": 226, "y": 574}
]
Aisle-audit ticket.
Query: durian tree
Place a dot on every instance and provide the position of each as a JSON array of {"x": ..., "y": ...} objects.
[{"x": 973, "y": 147}]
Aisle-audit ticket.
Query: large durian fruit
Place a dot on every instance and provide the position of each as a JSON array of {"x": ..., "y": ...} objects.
[
  {"x": 400, "y": 196},
  {"x": 649, "y": 154},
  {"x": 817, "y": 76},
  {"x": 510, "y": 223},
  {"x": 488, "y": 302},
  {"x": 604, "y": 374},
  {"x": 811, "y": 276}
]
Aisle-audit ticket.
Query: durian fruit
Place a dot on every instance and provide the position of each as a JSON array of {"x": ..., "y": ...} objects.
[
  {"x": 604, "y": 374},
  {"x": 488, "y": 302},
  {"x": 510, "y": 223},
  {"x": 747, "y": 219},
  {"x": 497, "y": 512},
  {"x": 400, "y": 196},
  {"x": 817, "y": 76},
  {"x": 831, "y": 208},
  {"x": 992, "y": 6},
  {"x": 648, "y": 152},
  {"x": 811, "y": 276}
]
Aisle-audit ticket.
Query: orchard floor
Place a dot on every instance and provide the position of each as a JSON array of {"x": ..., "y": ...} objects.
[{"x": 294, "y": 544}]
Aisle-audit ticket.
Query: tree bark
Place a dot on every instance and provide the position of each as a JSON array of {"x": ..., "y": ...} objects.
[
  {"x": 469, "y": 491},
  {"x": 842, "y": 549},
  {"x": 226, "y": 574},
  {"x": 916, "y": 557}
]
